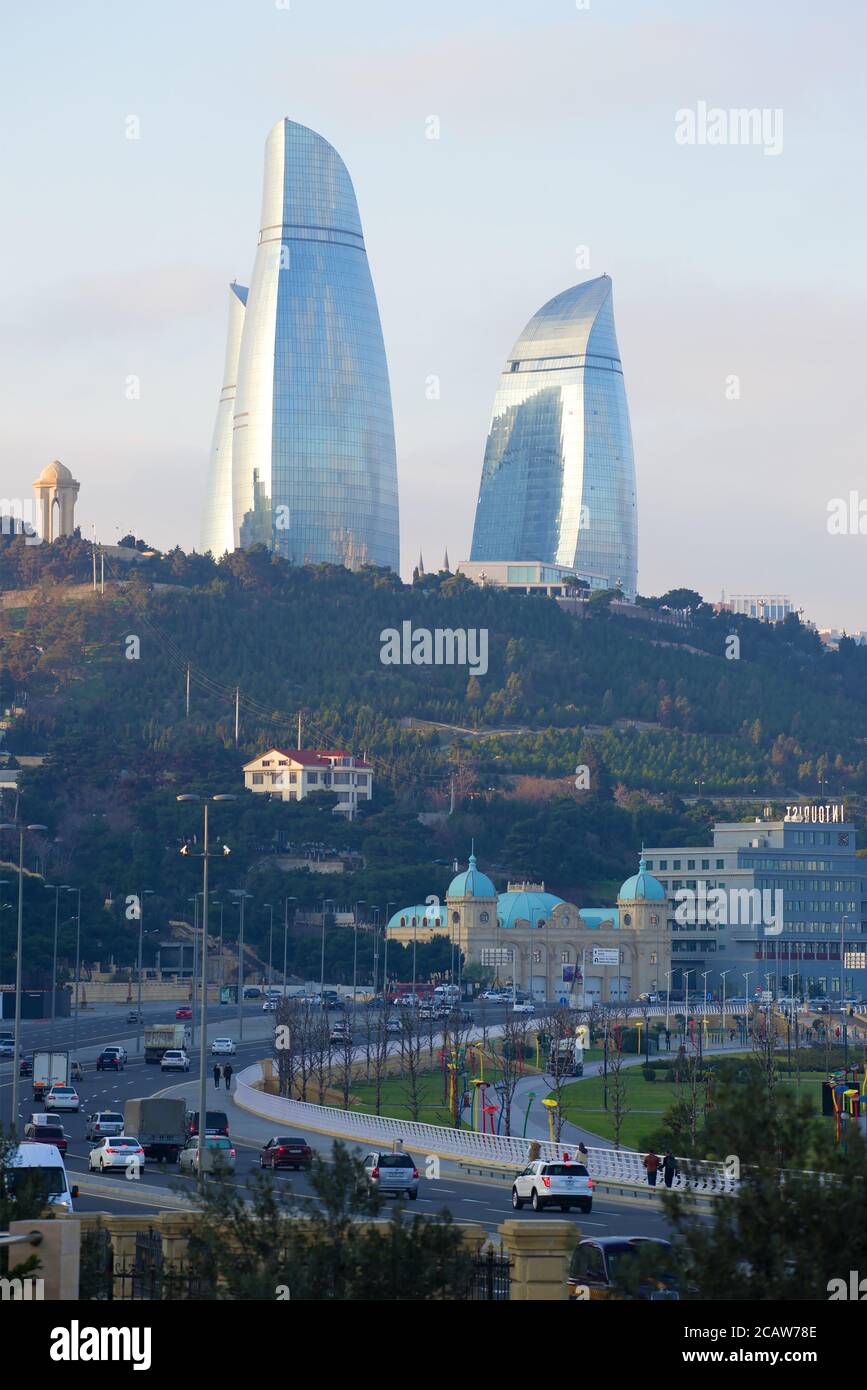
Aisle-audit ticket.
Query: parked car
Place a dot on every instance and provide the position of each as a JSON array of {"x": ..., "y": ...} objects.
[
  {"x": 46, "y": 1134},
  {"x": 218, "y": 1152},
  {"x": 598, "y": 1265},
  {"x": 183, "y": 1012},
  {"x": 116, "y": 1151},
  {"x": 174, "y": 1060},
  {"x": 283, "y": 1151},
  {"x": 222, "y": 1047},
  {"x": 392, "y": 1172},
  {"x": 62, "y": 1098},
  {"x": 102, "y": 1123},
  {"x": 544, "y": 1183},
  {"x": 110, "y": 1060}
]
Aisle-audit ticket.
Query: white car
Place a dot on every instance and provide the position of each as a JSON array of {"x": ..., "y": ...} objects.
[
  {"x": 522, "y": 1007},
  {"x": 116, "y": 1151},
  {"x": 174, "y": 1060},
  {"x": 222, "y": 1047},
  {"x": 119, "y": 1048},
  {"x": 553, "y": 1183},
  {"x": 62, "y": 1098}
]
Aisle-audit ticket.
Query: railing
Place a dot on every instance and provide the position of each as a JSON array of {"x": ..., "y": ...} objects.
[
  {"x": 32, "y": 1238},
  {"x": 614, "y": 1165}
]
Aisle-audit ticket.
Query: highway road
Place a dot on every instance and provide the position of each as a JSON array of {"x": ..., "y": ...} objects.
[{"x": 477, "y": 1199}]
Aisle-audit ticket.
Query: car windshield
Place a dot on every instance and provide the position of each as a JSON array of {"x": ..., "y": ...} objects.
[
  {"x": 62, "y": 1091},
  {"x": 287, "y": 1139},
  {"x": 108, "y": 1118},
  {"x": 52, "y": 1132},
  {"x": 124, "y": 1143},
  {"x": 49, "y": 1180},
  {"x": 395, "y": 1161},
  {"x": 566, "y": 1170}
]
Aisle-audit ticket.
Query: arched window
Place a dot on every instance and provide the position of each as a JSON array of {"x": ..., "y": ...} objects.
[
  {"x": 403, "y": 921},
  {"x": 456, "y": 917},
  {"x": 627, "y": 919},
  {"x": 483, "y": 917}
]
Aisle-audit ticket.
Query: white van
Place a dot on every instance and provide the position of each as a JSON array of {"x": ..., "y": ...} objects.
[{"x": 52, "y": 1174}]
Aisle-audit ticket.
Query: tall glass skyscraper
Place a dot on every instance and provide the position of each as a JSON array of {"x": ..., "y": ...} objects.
[
  {"x": 558, "y": 481},
  {"x": 313, "y": 467},
  {"x": 218, "y": 533}
]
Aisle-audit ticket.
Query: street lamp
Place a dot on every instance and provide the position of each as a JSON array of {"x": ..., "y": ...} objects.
[
  {"x": 203, "y": 1003},
  {"x": 270, "y": 942},
  {"x": 286, "y": 902},
  {"x": 361, "y": 902},
  {"x": 722, "y": 975},
  {"x": 77, "y": 996},
  {"x": 385, "y": 951},
  {"x": 58, "y": 889},
  {"x": 325, "y": 901},
  {"x": 240, "y": 895},
  {"x": 145, "y": 893},
  {"x": 18, "y": 954}
]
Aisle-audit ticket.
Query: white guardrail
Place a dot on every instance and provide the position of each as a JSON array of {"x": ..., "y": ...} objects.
[{"x": 608, "y": 1165}]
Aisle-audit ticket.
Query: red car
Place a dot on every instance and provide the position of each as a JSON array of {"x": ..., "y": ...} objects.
[
  {"x": 283, "y": 1151},
  {"x": 46, "y": 1134},
  {"x": 183, "y": 1012}
]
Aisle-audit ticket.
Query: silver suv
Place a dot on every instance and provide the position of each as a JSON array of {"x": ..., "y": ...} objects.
[
  {"x": 393, "y": 1172},
  {"x": 103, "y": 1122}
]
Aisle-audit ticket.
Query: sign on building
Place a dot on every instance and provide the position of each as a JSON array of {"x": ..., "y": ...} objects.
[{"x": 601, "y": 956}]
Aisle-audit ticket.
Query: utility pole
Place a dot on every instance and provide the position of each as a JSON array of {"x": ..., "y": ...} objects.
[
  {"x": 102, "y": 572},
  {"x": 188, "y": 694},
  {"x": 299, "y": 728},
  {"x": 237, "y": 712}
]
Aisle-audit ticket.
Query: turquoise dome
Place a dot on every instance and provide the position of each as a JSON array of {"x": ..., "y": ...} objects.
[
  {"x": 642, "y": 887},
  {"x": 523, "y": 906},
  {"x": 425, "y": 915},
  {"x": 471, "y": 884}
]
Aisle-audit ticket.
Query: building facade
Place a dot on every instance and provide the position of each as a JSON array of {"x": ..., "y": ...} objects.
[
  {"x": 547, "y": 947},
  {"x": 558, "y": 480},
  {"x": 218, "y": 534},
  {"x": 313, "y": 466},
  {"x": 290, "y": 774},
  {"x": 56, "y": 494},
  {"x": 793, "y": 913}
]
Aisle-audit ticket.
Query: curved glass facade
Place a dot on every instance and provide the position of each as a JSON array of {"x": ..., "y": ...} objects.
[
  {"x": 217, "y": 531},
  {"x": 314, "y": 473},
  {"x": 558, "y": 480}
]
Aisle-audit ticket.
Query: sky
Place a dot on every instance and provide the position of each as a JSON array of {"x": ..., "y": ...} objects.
[{"x": 738, "y": 268}]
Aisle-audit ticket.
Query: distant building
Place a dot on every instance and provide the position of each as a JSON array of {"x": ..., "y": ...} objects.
[
  {"x": 548, "y": 947},
  {"x": 290, "y": 774},
  {"x": 558, "y": 480},
  {"x": 768, "y": 608},
  {"x": 527, "y": 576},
  {"x": 56, "y": 493}
]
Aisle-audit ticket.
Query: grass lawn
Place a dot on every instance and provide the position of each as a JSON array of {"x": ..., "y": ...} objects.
[{"x": 646, "y": 1102}]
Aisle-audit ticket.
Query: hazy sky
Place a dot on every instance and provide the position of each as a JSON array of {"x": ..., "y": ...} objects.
[{"x": 557, "y": 131}]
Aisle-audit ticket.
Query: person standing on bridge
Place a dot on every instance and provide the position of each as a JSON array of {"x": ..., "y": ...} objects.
[
  {"x": 652, "y": 1165},
  {"x": 227, "y": 1073},
  {"x": 217, "y": 1074},
  {"x": 669, "y": 1168}
]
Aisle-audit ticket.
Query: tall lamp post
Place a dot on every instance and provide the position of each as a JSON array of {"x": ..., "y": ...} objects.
[
  {"x": 203, "y": 1002},
  {"x": 325, "y": 902},
  {"x": 58, "y": 889},
  {"x": 77, "y": 965},
  {"x": 240, "y": 895},
  {"x": 270, "y": 942},
  {"x": 286, "y": 902},
  {"x": 145, "y": 893},
  {"x": 385, "y": 952},
  {"x": 360, "y": 903},
  {"x": 19, "y": 950}
]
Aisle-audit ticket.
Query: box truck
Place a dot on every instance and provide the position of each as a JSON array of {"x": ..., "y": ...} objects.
[
  {"x": 157, "y": 1122},
  {"x": 165, "y": 1037},
  {"x": 49, "y": 1069}
]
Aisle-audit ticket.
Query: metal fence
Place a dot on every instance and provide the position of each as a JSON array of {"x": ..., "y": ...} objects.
[
  {"x": 612, "y": 1165},
  {"x": 491, "y": 1277},
  {"x": 107, "y": 1278}
]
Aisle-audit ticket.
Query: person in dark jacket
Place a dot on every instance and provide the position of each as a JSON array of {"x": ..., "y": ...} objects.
[
  {"x": 217, "y": 1074},
  {"x": 652, "y": 1165},
  {"x": 669, "y": 1168},
  {"x": 227, "y": 1073}
]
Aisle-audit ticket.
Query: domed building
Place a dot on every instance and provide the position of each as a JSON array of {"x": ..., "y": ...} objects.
[
  {"x": 549, "y": 947},
  {"x": 56, "y": 492}
]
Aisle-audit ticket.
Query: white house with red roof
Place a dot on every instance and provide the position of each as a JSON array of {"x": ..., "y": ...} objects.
[{"x": 290, "y": 774}]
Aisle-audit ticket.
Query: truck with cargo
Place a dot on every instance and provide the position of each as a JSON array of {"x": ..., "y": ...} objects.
[
  {"x": 165, "y": 1037},
  {"x": 49, "y": 1069},
  {"x": 157, "y": 1122}
]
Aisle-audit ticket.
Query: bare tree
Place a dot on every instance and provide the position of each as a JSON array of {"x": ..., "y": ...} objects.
[
  {"x": 617, "y": 1020},
  {"x": 320, "y": 1054},
  {"x": 513, "y": 1044},
  {"x": 410, "y": 1038}
]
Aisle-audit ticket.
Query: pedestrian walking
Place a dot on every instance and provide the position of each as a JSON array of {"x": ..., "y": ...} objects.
[
  {"x": 668, "y": 1039},
  {"x": 731, "y": 1035},
  {"x": 227, "y": 1073},
  {"x": 652, "y": 1164},
  {"x": 217, "y": 1074},
  {"x": 669, "y": 1168},
  {"x": 583, "y": 1151}
]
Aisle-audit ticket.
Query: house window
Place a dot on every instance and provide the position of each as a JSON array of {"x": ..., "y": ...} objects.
[
  {"x": 483, "y": 916},
  {"x": 537, "y": 957},
  {"x": 258, "y": 778}
]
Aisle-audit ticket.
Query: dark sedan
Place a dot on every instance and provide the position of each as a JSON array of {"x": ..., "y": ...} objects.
[
  {"x": 109, "y": 1061},
  {"x": 284, "y": 1151}
]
